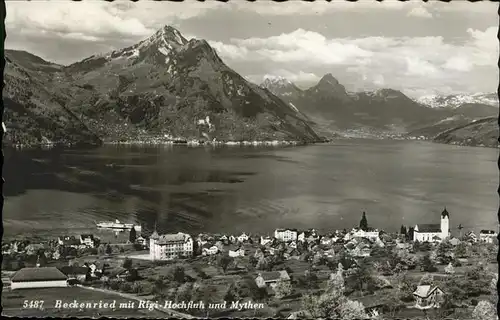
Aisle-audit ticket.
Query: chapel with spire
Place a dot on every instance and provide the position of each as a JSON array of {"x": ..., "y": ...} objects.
[{"x": 433, "y": 232}]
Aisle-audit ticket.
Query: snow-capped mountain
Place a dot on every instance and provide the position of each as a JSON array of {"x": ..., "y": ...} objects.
[
  {"x": 454, "y": 101},
  {"x": 280, "y": 86}
]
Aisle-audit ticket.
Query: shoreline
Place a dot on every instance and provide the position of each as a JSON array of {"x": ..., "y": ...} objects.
[{"x": 256, "y": 143}]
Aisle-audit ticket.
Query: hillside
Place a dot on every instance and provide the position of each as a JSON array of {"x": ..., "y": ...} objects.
[
  {"x": 483, "y": 132},
  {"x": 382, "y": 111},
  {"x": 33, "y": 112},
  {"x": 164, "y": 86}
]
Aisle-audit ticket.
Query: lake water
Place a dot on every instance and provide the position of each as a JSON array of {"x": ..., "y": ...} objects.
[{"x": 235, "y": 189}]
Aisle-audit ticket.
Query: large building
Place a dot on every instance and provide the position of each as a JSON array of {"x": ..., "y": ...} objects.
[
  {"x": 170, "y": 246},
  {"x": 433, "y": 232},
  {"x": 45, "y": 277},
  {"x": 286, "y": 234}
]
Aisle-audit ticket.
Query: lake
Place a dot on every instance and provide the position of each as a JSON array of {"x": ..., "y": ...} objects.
[{"x": 236, "y": 189}]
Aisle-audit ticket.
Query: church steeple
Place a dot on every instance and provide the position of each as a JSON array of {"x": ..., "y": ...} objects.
[
  {"x": 155, "y": 234},
  {"x": 445, "y": 213}
]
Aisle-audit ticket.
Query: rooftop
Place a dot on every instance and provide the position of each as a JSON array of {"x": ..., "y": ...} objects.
[
  {"x": 39, "y": 274},
  {"x": 177, "y": 237},
  {"x": 429, "y": 227}
]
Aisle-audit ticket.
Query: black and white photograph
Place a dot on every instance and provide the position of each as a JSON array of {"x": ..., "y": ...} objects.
[{"x": 250, "y": 159}]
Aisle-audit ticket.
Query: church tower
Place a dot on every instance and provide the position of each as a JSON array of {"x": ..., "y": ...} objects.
[
  {"x": 445, "y": 224},
  {"x": 153, "y": 248}
]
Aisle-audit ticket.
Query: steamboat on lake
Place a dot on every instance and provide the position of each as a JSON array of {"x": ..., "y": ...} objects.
[{"x": 117, "y": 225}]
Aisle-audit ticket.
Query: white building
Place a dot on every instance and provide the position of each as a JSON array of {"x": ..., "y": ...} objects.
[
  {"x": 243, "y": 237},
  {"x": 208, "y": 251},
  {"x": 264, "y": 241},
  {"x": 88, "y": 240},
  {"x": 487, "y": 236},
  {"x": 46, "y": 277},
  {"x": 372, "y": 235},
  {"x": 433, "y": 232},
  {"x": 240, "y": 252},
  {"x": 286, "y": 234},
  {"x": 170, "y": 246}
]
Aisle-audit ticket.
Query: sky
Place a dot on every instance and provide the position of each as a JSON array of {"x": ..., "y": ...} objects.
[{"x": 416, "y": 47}]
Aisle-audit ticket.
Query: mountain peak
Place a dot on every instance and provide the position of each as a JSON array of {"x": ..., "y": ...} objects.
[
  {"x": 270, "y": 80},
  {"x": 329, "y": 79},
  {"x": 167, "y": 36},
  {"x": 279, "y": 86}
]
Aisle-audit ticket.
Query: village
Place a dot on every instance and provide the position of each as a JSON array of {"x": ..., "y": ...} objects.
[{"x": 421, "y": 271}]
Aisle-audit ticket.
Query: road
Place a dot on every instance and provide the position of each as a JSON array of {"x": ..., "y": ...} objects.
[{"x": 169, "y": 312}]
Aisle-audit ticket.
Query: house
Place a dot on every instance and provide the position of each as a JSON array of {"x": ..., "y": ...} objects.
[
  {"x": 372, "y": 235},
  {"x": 291, "y": 253},
  {"x": 361, "y": 250},
  {"x": 208, "y": 250},
  {"x": 232, "y": 239},
  {"x": 243, "y": 237},
  {"x": 471, "y": 237},
  {"x": 487, "y": 236},
  {"x": 285, "y": 235},
  {"x": 96, "y": 268},
  {"x": 265, "y": 241},
  {"x": 33, "y": 248},
  {"x": 455, "y": 242},
  {"x": 69, "y": 241},
  {"x": 326, "y": 241},
  {"x": 170, "y": 246},
  {"x": 433, "y": 232},
  {"x": 75, "y": 272},
  {"x": 259, "y": 253},
  {"x": 41, "y": 277},
  {"x": 308, "y": 236},
  {"x": 428, "y": 297},
  {"x": 292, "y": 244},
  {"x": 236, "y": 252},
  {"x": 141, "y": 241},
  {"x": 329, "y": 253},
  {"x": 88, "y": 240},
  {"x": 270, "y": 278}
]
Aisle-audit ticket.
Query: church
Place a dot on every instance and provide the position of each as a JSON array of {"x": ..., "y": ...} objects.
[{"x": 433, "y": 232}]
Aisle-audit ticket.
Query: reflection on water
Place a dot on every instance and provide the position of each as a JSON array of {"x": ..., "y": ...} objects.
[{"x": 251, "y": 189}]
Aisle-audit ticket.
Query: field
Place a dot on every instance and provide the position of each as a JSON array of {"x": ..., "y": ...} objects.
[{"x": 12, "y": 302}]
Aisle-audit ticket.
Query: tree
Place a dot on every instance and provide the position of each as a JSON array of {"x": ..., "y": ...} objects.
[
  {"x": 351, "y": 310},
  {"x": 231, "y": 293},
  {"x": 363, "y": 224},
  {"x": 461, "y": 250},
  {"x": 363, "y": 276},
  {"x": 403, "y": 230},
  {"x": 132, "y": 236},
  {"x": 426, "y": 264},
  {"x": 127, "y": 263},
  {"x": 449, "y": 269},
  {"x": 282, "y": 289},
  {"x": 224, "y": 262},
  {"x": 427, "y": 279},
  {"x": 443, "y": 252},
  {"x": 109, "y": 250},
  {"x": 178, "y": 274},
  {"x": 262, "y": 264},
  {"x": 332, "y": 303},
  {"x": 159, "y": 287},
  {"x": 484, "y": 310}
]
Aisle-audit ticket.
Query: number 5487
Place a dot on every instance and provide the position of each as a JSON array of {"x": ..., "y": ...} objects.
[{"x": 33, "y": 304}]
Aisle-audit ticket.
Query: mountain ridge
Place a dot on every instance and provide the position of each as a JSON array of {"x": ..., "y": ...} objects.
[{"x": 162, "y": 86}]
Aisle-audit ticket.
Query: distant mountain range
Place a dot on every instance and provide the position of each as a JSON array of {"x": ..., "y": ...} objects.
[
  {"x": 454, "y": 101},
  {"x": 167, "y": 86},
  {"x": 381, "y": 113},
  {"x": 162, "y": 86}
]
